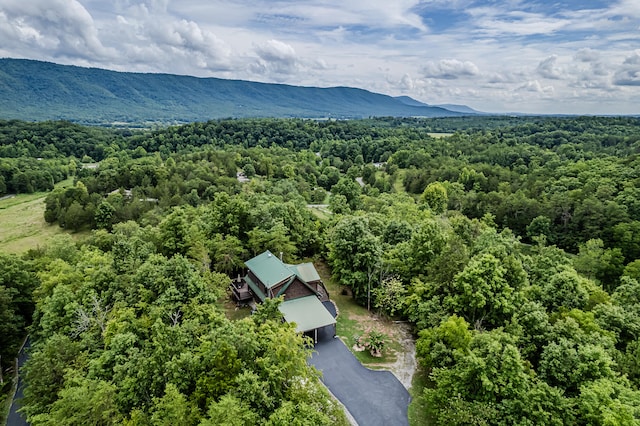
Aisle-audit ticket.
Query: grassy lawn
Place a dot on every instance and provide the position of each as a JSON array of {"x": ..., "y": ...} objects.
[
  {"x": 398, "y": 185},
  {"x": 231, "y": 311},
  {"x": 322, "y": 213},
  {"x": 22, "y": 225},
  {"x": 417, "y": 409},
  {"x": 354, "y": 320}
]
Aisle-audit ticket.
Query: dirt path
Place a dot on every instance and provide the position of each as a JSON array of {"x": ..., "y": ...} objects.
[{"x": 405, "y": 365}]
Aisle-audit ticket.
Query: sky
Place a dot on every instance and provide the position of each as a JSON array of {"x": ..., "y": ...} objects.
[{"x": 533, "y": 56}]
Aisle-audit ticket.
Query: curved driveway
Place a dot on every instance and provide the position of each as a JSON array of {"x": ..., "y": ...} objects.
[{"x": 372, "y": 397}]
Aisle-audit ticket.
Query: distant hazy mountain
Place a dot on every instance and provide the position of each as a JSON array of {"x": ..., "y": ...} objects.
[
  {"x": 460, "y": 108},
  {"x": 463, "y": 109},
  {"x": 34, "y": 90}
]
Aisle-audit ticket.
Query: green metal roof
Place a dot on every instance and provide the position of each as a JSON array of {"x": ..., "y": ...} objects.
[
  {"x": 306, "y": 271},
  {"x": 308, "y": 313},
  {"x": 268, "y": 269},
  {"x": 256, "y": 290}
]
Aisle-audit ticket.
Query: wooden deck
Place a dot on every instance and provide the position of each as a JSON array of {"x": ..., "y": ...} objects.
[{"x": 240, "y": 291}]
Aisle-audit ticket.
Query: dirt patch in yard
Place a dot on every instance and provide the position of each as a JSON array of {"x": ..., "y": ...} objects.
[{"x": 402, "y": 347}]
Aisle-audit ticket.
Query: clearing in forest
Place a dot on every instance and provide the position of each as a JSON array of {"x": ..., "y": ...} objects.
[{"x": 22, "y": 224}]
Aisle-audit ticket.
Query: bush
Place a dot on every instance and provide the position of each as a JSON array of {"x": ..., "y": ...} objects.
[{"x": 374, "y": 341}]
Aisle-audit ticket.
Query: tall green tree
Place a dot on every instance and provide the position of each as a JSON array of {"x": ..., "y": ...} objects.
[
  {"x": 354, "y": 254},
  {"x": 435, "y": 196},
  {"x": 482, "y": 294}
]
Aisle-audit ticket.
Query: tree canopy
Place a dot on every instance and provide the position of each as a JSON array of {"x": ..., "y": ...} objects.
[{"x": 510, "y": 245}]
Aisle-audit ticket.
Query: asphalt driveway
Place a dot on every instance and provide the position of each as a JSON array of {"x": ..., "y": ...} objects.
[
  {"x": 15, "y": 418},
  {"x": 372, "y": 397}
]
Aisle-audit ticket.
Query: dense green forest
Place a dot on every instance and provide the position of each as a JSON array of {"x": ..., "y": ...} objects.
[{"x": 511, "y": 244}]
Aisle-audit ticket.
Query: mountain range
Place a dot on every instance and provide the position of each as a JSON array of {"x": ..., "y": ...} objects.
[
  {"x": 463, "y": 109},
  {"x": 35, "y": 91}
]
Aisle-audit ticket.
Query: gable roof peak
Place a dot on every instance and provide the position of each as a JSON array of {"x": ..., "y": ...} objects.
[{"x": 269, "y": 269}]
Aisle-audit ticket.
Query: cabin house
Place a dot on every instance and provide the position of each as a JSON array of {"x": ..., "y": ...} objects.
[{"x": 305, "y": 296}]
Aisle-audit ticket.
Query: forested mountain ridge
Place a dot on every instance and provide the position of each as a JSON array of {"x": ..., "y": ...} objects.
[{"x": 34, "y": 90}]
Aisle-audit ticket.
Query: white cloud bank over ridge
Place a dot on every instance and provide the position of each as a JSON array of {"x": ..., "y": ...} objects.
[{"x": 514, "y": 55}]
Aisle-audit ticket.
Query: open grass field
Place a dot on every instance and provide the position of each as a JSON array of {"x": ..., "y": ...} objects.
[
  {"x": 22, "y": 225},
  {"x": 440, "y": 135}
]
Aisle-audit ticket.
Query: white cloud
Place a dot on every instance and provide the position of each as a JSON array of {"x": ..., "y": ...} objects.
[
  {"x": 276, "y": 51},
  {"x": 536, "y": 87},
  {"x": 153, "y": 40},
  {"x": 589, "y": 71},
  {"x": 275, "y": 58},
  {"x": 450, "y": 69},
  {"x": 494, "y": 22},
  {"x": 587, "y": 55},
  {"x": 190, "y": 36},
  {"x": 626, "y": 8},
  {"x": 64, "y": 27},
  {"x": 548, "y": 68},
  {"x": 335, "y": 13},
  {"x": 505, "y": 77},
  {"x": 629, "y": 73},
  {"x": 406, "y": 83}
]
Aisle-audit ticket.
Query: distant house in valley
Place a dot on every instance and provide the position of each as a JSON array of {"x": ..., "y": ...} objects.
[
  {"x": 242, "y": 178},
  {"x": 128, "y": 193},
  {"x": 305, "y": 296}
]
